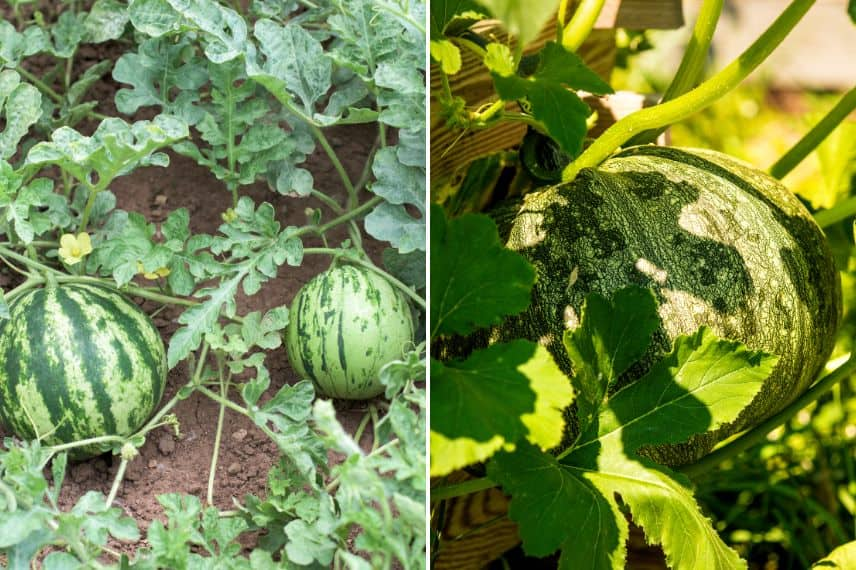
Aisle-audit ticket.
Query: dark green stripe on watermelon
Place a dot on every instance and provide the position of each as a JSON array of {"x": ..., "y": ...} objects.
[
  {"x": 79, "y": 361},
  {"x": 346, "y": 323}
]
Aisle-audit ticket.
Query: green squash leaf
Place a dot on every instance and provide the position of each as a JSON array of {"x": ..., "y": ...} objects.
[
  {"x": 162, "y": 73},
  {"x": 294, "y": 68},
  {"x": 558, "y": 65},
  {"x": 523, "y": 20},
  {"x": 611, "y": 337},
  {"x": 701, "y": 384},
  {"x": 447, "y": 55},
  {"x": 114, "y": 149},
  {"x": 494, "y": 399},
  {"x": 399, "y": 185},
  {"x": 559, "y": 507},
  {"x": 154, "y": 17},
  {"x": 15, "y": 46},
  {"x": 443, "y": 12},
  {"x": 842, "y": 557},
  {"x": 550, "y": 95},
  {"x": 475, "y": 282}
]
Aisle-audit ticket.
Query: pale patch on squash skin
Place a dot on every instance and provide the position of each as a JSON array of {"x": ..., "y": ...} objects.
[{"x": 722, "y": 245}]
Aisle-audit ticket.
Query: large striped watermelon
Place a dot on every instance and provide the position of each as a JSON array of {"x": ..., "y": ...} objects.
[
  {"x": 78, "y": 361},
  {"x": 346, "y": 323}
]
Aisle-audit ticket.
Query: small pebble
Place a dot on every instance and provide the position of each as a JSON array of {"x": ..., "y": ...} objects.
[
  {"x": 166, "y": 444},
  {"x": 152, "y": 463},
  {"x": 234, "y": 468},
  {"x": 239, "y": 435}
]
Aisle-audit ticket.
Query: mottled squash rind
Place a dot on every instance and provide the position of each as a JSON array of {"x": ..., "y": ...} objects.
[{"x": 721, "y": 244}]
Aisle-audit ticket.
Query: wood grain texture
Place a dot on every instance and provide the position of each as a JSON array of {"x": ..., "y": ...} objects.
[{"x": 641, "y": 14}]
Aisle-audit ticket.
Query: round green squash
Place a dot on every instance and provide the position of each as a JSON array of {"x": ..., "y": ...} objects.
[
  {"x": 720, "y": 243},
  {"x": 78, "y": 361},
  {"x": 345, "y": 324}
]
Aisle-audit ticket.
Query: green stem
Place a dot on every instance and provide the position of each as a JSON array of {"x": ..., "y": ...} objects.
[
  {"x": 702, "y": 96},
  {"x": 337, "y": 164},
  {"x": 759, "y": 433},
  {"x": 84, "y": 442},
  {"x": 39, "y": 84},
  {"x": 692, "y": 65},
  {"x": 224, "y": 401},
  {"x": 31, "y": 263},
  {"x": 581, "y": 24},
  {"x": 375, "y": 425},
  {"x": 840, "y": 211},
  {"x": 36, "y": 243},
  {"x": 362, "y": 427},
  {"x": 344, "y": 218},
  {"x": 90, "y": 201},
  {"x": 114, "y": 489},
  {"x": 330, "y": 202},
  {"x": 371, "y": 266},
  {"x": 30, "y": 283},
  {"x": 461, "y": 489},
  {"x": 224, "y": 388},
  {"x": 815, "y": 136}
]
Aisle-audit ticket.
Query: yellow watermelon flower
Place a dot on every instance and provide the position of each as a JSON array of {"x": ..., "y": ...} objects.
[
  {"x": 229, "y": 216},
  {"x": 156, "y": 274},
  {"x": 74, "y": 248}
]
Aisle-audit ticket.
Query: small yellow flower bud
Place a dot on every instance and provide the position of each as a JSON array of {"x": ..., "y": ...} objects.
[
  {"x": 156, "y": 274},
  {"x": 229, "y": 216}
]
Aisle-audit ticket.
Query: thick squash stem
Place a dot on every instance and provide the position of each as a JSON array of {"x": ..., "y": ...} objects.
[
  {"x": 692, "y": 64},
  {"x": 815, "y": 136},
  {"x": 693, "y": 101},
  {"x": 759, "y": 433},
  {"x": 581, "y": 23}
]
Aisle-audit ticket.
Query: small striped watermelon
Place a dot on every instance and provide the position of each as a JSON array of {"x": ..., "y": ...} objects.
[
  {"x": 346, "y": 323},
  {"x": 78, "y": 361}
]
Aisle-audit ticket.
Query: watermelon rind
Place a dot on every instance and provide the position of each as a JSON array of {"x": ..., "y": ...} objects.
[
  {"x": 345, "y": 324},
  {"x": 78, "y": 361}
]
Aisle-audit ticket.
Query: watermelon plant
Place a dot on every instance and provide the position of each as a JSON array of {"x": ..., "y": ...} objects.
[
  {"x": 627, "y": 318},
  {"x": 118, "y": 317}
]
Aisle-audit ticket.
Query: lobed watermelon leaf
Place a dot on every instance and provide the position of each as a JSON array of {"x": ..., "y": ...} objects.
[
  {"x": 21, "y": 107},
  {"x": 162, "y": 73}
]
